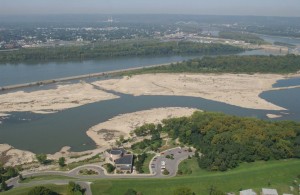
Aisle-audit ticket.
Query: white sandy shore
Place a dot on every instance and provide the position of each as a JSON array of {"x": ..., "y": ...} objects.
[
  {"x": 236, "y": 89},
  {"x": 274, "y": 115},
  {"x": 52, "y": 100},
  {"x": 14, "y": 156},
  {"x": 105, "y": 134}
]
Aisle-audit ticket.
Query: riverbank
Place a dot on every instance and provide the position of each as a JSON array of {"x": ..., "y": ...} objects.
[
  {"x": 241, "y": 90},
  {"x": 105, "y": 134}
]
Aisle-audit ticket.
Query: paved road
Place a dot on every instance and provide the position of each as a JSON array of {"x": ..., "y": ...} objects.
[{"x": 155, "y": 167}]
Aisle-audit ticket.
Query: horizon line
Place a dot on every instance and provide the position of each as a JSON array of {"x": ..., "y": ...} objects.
[{"x": 153, "y": 14}]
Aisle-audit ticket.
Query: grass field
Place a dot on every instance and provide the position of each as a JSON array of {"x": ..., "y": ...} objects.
[
  {"x": 48, "y": 177},
  {"x": 147, "y": 162},
  {"x": 73, "y": 165},
  {"x": 272, "y": 174},
  {"x": 61, "y": 189}
]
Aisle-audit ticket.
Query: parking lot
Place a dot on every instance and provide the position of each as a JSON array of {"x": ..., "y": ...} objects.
[{"x": 169, "y": 160}]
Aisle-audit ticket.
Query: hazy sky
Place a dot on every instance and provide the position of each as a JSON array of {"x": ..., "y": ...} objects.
[{"x": 202, "y": 7}]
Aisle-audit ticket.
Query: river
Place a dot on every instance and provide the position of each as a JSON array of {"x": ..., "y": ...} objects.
[
  {"x": 11, "y": 74},
  {"x": 50, "y": 132},
  {"x": 37, "y": 132}
]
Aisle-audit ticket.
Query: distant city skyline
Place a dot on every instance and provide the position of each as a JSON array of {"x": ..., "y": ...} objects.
[{"x": 199, "y": 7}]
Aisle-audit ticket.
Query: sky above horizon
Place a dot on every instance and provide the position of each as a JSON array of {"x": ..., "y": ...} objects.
[{"x": 201, "y": 7}]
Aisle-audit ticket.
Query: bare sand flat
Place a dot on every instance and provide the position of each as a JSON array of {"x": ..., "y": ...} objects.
[
  {"x": 105, "y": 134},
  {"x": 11, "y": 156},
  {"x": 274, "y": 115},
  {"x": 236, "y": 89},
  {"x": 52, "y": 100}
]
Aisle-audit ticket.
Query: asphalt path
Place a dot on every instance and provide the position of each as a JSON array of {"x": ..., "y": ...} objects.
[{"x": 171, "y": 164}]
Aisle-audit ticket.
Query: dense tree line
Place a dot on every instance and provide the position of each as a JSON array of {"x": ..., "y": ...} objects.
[
  {"x": 225, "y": 140},
  {"x": 114, "y": 49},
  {"x": 242, "y": 36},
  {"x": 231, "y": 64}
]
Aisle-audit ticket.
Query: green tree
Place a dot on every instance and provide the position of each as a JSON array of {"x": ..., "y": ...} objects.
[
  {"x": 130, "y": 192},
  {"x": 121, "y": 138},
  {"x": 61, "y": 161},
  {"x": 74, "y": 189},
  {"x": 41, "y": 190},
  {"x": 21, "y": 178},
  {"x": 110, "y": 168},
  {"x": 213, "y": 191},
  {"x": 183, "y": 191},
  {"x": 118, "y": 143},
  {"x": 4, "y": 186},
  {"x": 166, "y": 172},
  {"x": 42, "y": 158}
]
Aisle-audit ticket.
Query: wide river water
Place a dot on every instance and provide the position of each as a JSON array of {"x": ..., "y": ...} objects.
[
  {"x": 11, "y": 74},
  {"x": 49, "y": 133}
]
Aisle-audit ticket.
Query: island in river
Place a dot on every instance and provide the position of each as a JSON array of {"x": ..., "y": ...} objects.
[{"x": 236, "y": 89}]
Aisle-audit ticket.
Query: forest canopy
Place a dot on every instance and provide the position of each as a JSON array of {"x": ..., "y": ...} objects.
[
  {"x": 231, "y": 64},
  {"x": 225, "y": 141},
  {"x": 114, "y": 49}
]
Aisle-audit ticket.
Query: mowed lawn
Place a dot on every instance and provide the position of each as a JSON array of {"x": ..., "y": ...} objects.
[
  {"x": 61, "y": 189},
  {"x": 273, "y": 174}
]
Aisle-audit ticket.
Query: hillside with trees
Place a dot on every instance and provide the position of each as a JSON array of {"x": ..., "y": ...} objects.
[{"x": 225, "y": 141}]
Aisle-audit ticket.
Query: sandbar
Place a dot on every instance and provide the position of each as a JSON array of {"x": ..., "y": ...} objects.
[
  {"x": 274, "y": 115},
  {"x": 105, "y": 134},
  {"x": 235, "y": 89},
  {"x": 52, "y": 100}
]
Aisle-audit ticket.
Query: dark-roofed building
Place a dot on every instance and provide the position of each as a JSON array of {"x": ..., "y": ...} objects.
[{"x": 123, "y": 162}]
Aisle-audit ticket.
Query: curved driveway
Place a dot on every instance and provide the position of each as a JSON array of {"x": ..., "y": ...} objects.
[{"x": 178, "y": 153}]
